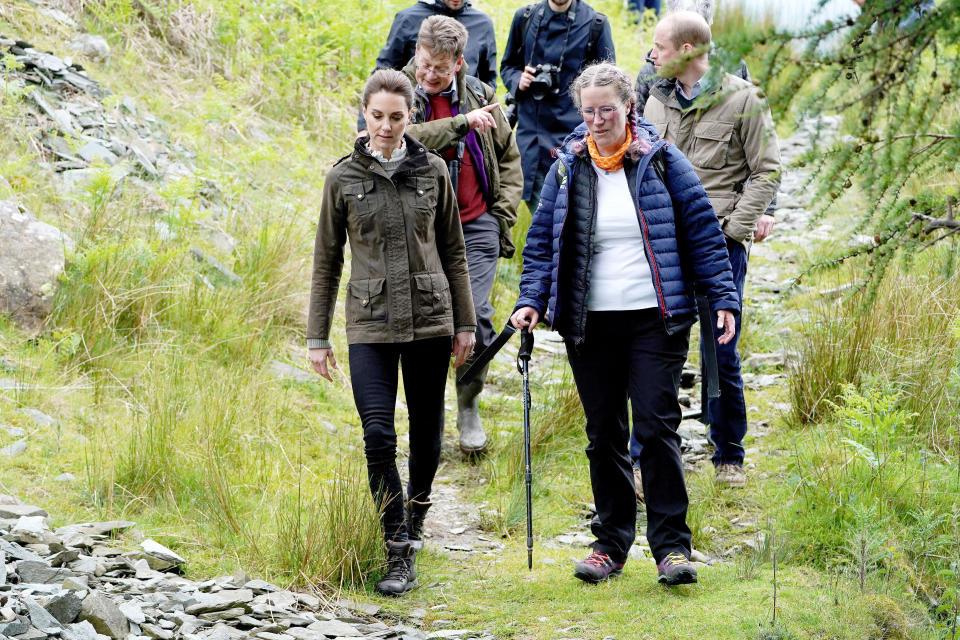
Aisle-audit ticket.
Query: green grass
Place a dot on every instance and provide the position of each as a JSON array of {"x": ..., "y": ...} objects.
[
  {"x": 169, "y": 413},
  {"x": 549, "y": 603}
]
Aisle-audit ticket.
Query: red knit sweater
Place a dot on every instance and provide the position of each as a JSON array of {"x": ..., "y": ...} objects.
[{"x": 469, "y": 195}]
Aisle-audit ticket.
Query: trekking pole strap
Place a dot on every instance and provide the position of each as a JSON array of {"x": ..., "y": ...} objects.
[
  {"x": 481, "y": 361},
  {"x": 708, "y": 365}
]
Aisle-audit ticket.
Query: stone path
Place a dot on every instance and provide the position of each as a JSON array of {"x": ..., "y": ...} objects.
[{"x": 77, "y": 583}]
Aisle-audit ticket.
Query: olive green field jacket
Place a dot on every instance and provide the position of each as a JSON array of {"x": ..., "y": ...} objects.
[
  {"x": 731, "y": 142},
  {"x": 408, "y": 270},
  {"x": 501, "y": 156}
]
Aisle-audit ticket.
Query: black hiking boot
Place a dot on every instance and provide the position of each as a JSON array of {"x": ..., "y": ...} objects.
[
  {"x": 401, "y": 575},
  {"x": 415, "y": 512}
]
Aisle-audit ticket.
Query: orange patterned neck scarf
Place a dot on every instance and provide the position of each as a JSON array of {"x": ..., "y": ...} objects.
[{"x": 613, "y": 162}]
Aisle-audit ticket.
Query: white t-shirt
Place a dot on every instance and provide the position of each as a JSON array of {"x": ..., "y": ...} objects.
[{"x": 620, "y": 278}]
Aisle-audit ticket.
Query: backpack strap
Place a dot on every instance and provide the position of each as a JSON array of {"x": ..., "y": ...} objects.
[
  {"x": 525, "y": 19},
  {"x": 659, "y": 163},
  {"x": 596, "y": 30},
  {"x": 476, "y": 86}
]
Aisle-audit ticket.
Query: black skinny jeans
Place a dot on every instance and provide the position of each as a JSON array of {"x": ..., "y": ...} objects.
[
  {"x": 373, "y": 372},
  {"x": 629, "y": 355}
]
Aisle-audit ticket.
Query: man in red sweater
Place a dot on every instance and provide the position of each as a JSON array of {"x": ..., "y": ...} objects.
[{"x": 457, "y": 116}]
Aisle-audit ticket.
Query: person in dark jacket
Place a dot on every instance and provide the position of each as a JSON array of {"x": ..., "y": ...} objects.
[
  {"x": 480, "y": 54},
  {"x": 457, "y": 116},
  {"x": 646, "y": 78},
  {"x": 551, "y": 35},
  {"x": 612, "y": 258},
  {"x": 642, "y": 5},
  {"x": 409, "y": 293}
]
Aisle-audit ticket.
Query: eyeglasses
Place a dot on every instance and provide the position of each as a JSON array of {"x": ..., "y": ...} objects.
[
  {"x": 605, "y": 113},
  {"x": 435, "y": 70}
]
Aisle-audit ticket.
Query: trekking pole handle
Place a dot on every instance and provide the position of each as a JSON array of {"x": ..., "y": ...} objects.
[{"x": 526, "y": 344}]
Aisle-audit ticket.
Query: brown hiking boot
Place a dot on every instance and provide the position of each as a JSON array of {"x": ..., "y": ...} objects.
[
  {"x": 731, "y": 475},
  {"x": 638, "y": 484}
]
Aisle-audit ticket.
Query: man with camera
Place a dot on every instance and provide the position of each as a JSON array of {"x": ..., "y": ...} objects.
[
  {"x": 480, "y": 55},
  {"x": 457, "y": 116},
  {"x": 549, "y": 43}
]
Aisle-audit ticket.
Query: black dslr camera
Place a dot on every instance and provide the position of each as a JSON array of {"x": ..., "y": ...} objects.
[{"x": 546, "y": 80}]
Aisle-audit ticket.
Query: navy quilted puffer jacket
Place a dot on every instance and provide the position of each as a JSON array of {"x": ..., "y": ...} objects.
[{"x": 684, "y": 244}]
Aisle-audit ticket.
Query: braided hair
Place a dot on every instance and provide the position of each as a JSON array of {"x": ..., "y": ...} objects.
[{"x": 605, "y": 74}]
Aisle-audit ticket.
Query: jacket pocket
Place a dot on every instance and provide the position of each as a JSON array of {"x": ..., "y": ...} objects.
[
  {"x": 365, "y": 301},
  {"x": 433, "y": 295},
  {"x": 361, "y": 198},
  {"x": 712, "y": 140},
  {"x": 425, "y": 195}
]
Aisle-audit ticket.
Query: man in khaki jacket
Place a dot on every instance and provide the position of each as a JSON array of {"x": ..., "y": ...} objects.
[
  {"x": 723, "y": 125},
  {"x": 458, "y": 117}
]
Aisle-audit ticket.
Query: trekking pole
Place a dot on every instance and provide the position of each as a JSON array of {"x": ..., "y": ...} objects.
[{"x": 523, "y": 364}]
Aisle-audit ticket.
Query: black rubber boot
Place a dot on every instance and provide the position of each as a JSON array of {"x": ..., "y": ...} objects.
[
  {"x": 401, "y": 575},
  {"x": 416, "y": 512}
]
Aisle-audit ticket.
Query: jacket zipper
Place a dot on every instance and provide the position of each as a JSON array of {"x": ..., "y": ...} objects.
[
  {"x": 586, "y": 275},
  {"x": 556, "y": 304},
  {"x": 653, "y": 263},
  {"x": 664, "y": 312}
]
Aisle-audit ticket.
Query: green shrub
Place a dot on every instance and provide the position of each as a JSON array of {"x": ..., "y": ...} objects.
[{"x": 904, "y": 338}]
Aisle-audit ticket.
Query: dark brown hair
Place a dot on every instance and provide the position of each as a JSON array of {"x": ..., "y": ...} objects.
[{"x": 391, "y": 81}]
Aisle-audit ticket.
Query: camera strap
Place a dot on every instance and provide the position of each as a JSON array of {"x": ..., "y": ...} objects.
[{"x": 541, "y": 12}]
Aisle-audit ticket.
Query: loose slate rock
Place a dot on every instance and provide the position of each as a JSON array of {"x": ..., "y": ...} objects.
[
  {"x": 41, "y": 573},
  {"x": 104, "y": 615},
  {"x": 157, "y": 550},
  {"x": 16, "y": 432},
  {"x": 40, "y": 617},
  {"x": 97, "y": 528},
  {"x": 65, "y": 607},
  {"x": 39, "y": 417},
  {"x": 133, "y": 611},
  {"x": 16, "y": 628},
  {"x": 14, "y": 449},
  {"x": 17, "y": 552},
  {"x": 80, "y": 631},
  {"x": 334, "y": 628},
  {"x": 14, "y": 511}
]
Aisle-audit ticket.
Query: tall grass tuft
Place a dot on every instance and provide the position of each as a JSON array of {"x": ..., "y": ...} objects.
[
  {"x": 333, "y": 541},
  {"x": 905, "y": 338}
]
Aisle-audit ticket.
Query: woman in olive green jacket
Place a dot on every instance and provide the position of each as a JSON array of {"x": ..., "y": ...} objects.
[{"x": 409, "y": 292}]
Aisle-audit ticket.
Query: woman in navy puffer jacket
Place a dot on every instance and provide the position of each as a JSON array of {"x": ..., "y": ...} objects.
[{"x": 611, "y": 262}]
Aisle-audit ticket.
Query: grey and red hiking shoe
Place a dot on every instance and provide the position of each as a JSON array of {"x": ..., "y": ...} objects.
[
  {"x": 676, "y": 569},
  {"x": 597, "y": 567}
]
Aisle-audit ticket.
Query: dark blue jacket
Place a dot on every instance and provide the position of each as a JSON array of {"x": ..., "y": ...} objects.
[
  {"x": 683, "y": 241},
  {"x": 543, "y": 124},
  {"x": 480, "y": 54}
]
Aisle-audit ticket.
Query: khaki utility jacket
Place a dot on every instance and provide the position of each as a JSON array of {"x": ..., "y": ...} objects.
[
  {"x": 501, "y": 156},
  {"x": 408, "y": 270},
  {"x": 731, "y": 142}
]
